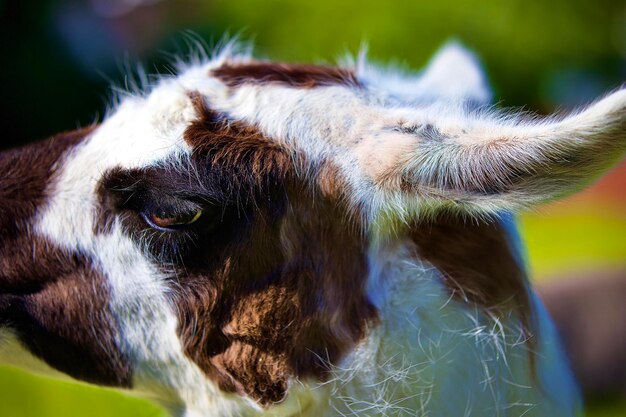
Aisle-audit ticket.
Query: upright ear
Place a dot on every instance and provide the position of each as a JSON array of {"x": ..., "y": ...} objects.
[
  {"x": 453, "y": 74},
  {"x": 486, "y": 164}
]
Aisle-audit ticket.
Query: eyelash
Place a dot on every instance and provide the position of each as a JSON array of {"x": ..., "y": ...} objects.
[{"x": 166, "y": 222}]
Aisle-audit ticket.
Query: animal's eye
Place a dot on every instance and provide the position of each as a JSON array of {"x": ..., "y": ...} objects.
[{"x": 161, "y": 219}]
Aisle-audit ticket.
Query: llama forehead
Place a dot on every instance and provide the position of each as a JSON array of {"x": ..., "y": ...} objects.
[
  {"x": 289, "y": 106},
  {"x": 323, "y": 113},
  {"x": 326, "y": 111}
]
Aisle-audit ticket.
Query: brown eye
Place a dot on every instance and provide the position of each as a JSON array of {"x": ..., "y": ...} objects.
[{"x": 163, "y": 220}]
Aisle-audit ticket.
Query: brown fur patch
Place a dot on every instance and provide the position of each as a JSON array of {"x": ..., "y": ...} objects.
[
  {"x": 237, "y": 148},
  {"x": 282, "y": 302},
  {"x": 270, "y": 281},
  {"x": 25, "y": 174},
  {"x": 299, "y": 76},
  {"x": 477, "y": 263},
  {"x": 53, "y": 300},
  {"x": 68, "y": 324}
]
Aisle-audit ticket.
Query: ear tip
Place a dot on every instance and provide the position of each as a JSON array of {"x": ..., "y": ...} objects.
[
  {"x": 457, "y": 71},
  {"x": 619, "y": 98},
  {"x": 455, "y": 46},
  {"x": 453, "y": 52},
  {"x": 613, "y": 104}
]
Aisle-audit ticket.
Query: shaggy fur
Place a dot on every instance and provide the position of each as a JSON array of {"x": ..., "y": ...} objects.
[{"x": 250, "y": 238}]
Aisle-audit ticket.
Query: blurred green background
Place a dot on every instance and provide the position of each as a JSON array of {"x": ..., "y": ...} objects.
[{"x": 60, "y": 58}]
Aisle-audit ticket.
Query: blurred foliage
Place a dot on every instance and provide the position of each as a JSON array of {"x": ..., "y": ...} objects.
[
  {"x": 61, "y": 56},
  {"x": 576, "y": 238},
  {"x": 25, "y": 395},
  {"x": 522, "y": 43}
]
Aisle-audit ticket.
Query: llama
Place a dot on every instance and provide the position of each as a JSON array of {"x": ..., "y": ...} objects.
[{"x": 258, "y": 239}]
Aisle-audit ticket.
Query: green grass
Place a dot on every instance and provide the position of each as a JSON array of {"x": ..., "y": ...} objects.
[
  {"x": 609, "y": 408},
  {"x": 27, "y": 395},
  {"x": 574, "y": 238}
]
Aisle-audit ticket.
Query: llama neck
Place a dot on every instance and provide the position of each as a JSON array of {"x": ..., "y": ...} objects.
[{"x": 426, "y": 347}]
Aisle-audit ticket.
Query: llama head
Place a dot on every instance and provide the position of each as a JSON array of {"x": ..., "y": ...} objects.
[{"x": 214, "y": 234}]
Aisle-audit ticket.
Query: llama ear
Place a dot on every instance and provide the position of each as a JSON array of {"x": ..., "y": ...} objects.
[
  {"x": 452, "y": 75},
  {"x": 455, "y": 73},
  {"x": 486, "y": 165}
]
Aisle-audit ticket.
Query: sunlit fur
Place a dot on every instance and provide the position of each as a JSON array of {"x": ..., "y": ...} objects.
[{"x": 428, "y": 349}]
